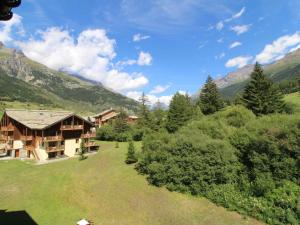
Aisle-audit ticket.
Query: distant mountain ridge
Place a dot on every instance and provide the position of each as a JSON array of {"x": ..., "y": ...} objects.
[
  {"x": 25, "y": 80},
  {"x": 285, "y": 69}
]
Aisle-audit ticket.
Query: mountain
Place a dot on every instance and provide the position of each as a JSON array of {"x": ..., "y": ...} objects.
[
  {"x": 284, "y": 72},
  {"x": 24, "y": 80}
]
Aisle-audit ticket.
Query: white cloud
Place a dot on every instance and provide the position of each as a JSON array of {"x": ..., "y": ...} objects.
[
  {"x": 145, "y": 59},
  {"x": 89, "y": 55},
  {"x": 220, "y": 25},
  {"x": 239, "y": 61},
  {"x": 235, "y": 44},
  {"x": 159, "y": 89},
  {"x": 221, "y": 56},
  {"x": 238, "y": 15},
  {"x": 152, "y": 98},
  {"x": 220, "y": 40},
  {"x": 294, "y": 49},
  {"x": 139, "y": 37},
  {"x": 6, "y": 28},
  {"x": 279, "y": 48},
  {"x": 240, "y": 29}
]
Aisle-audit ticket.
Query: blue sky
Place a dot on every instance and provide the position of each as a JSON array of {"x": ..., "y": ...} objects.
[{"x": 158, "y": 46}]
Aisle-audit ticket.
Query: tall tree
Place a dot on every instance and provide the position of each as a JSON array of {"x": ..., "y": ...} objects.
[
  {"x": 158, "y": 116},
  {"x": 131, "y": 155},
  {"x": 120, "y": 124},
  {"x": 260, "y": 95},
  {"x": 210, "y": 100},
  {"x": 180, "y": 111},
  {"x": 144, "y": 112}
]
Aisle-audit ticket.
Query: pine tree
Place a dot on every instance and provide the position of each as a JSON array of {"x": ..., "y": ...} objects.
[
  {"x": 158, "y": 117},
  {"x": 210, "y": 100},
  {"x": 144, "y": 112},
  {"x": 131, "y": 155},
  {"x": 260, "y": 95},
  {"x": 82, "y": 151},
  {"x": 120, "y": 124},
  {"x": 180, "y": 111}
]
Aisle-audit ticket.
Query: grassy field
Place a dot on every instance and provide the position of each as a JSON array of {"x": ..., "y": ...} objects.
[
  {"x": 103, "y": 189},
  {"x": 294, "y": 99}
]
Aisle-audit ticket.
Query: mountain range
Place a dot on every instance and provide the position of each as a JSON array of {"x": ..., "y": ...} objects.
[
  {"x": 285, "y": 72},
  {"x": 24, "y": 80}
]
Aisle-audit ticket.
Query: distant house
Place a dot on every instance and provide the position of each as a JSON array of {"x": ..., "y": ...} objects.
[
  {"x": 108, "y": 116},
  {"x": 132, "y": 119},
  {"x": 105, "y": 117},
  {"x": 42, "y": 135}
]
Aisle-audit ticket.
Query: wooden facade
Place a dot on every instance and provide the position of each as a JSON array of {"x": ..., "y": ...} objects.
[{"x": 23, "y": 141}]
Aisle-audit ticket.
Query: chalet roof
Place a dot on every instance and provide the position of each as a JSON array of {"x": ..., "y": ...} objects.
[
  {"x": 104, "y": 112},
  {"x": 38, "y": 119},
  {"x": 133, "y": 117}
]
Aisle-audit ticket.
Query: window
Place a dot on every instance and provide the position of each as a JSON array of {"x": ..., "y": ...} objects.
[
  {"x": 77, "y": 150},
  {"x": 77, "y": 141}
]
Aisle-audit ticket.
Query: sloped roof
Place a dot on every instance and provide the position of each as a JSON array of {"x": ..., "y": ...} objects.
[
  {"x": 38, "y": 119},
  {"x": 104, "y": 112}
]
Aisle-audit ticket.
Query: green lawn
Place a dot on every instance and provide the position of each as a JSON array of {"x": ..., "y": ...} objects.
[
  {"x": 294, "y": 99},
  {"x": 103, "y": 189}
]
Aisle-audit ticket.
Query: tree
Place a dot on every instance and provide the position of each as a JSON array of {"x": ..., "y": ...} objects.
[
  {"x": 260, "y": 95},
  {"x": 210, "y": 100},
  {"x": 131, "y": 155},
  {"x": 82, "y": 151},
  {"x": 180, "y": 111},
  {"x": 158, "y": 117},
  {"x": 121, "y": 125},
  {"x": 144, "y": 112}
]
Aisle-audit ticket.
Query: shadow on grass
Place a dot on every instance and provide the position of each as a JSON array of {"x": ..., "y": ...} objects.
[{"x": 16, "y": 218}]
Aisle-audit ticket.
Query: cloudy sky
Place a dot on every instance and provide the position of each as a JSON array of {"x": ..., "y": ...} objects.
[{"x": 155, "y": 46}]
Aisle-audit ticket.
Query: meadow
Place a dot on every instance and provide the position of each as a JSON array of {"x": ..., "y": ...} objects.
[{"x": 104, "y": 190}]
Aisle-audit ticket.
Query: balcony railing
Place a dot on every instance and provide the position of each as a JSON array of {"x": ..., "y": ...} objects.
[
  {"x": 90, "y": 144},
  {"x": 29, "y": 148},
  {"x": 3, "y": 138},
  {"x": 7, "y": 128},
  {"x": 55, "y": 148},
  {"x": 53, "y": 138},
  {"x": 26, "y": 138},
  {"x": 71, "y": 127},
  {"x": 89, "y": 135}
]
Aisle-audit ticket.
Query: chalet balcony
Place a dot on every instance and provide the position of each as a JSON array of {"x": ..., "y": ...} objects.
[
  {"x": 71, "y": 127},
  {"x": 90, "y": 144},
  {"x": 26, "y": 138},
  {"x": 3, "y": 138},
  {"x": 89, "y": 135},
  {"x": 7, "y": 128},
  {"x": 53, "y": 138},
  {"x": 29, "y": 148},
  {"x": 55, "y": 148}
]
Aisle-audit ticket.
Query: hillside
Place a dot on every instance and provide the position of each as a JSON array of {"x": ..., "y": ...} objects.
[
  {"x": 285, "y": 72},
  {"x": 23, "y": 80}
]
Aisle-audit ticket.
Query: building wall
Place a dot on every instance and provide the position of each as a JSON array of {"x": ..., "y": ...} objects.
[
  {"x": 41, "y": 152},
  {"x": 18, "y": 145},
  {"x": 70, "y": 147}
]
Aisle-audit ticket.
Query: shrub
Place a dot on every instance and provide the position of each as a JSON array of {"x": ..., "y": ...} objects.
[{"x": 131, "y": 155}]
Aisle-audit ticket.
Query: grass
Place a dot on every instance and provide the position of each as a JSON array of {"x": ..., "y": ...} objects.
[
  {"x": 294, "y": 99},
  {"x": 103, "y": 189}
]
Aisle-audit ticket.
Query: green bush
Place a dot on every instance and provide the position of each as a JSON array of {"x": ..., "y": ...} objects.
[
  {"x": 236, "y": 116},
  {"x": 131, "y": 155},
  {"x": 245, "y": 163}
]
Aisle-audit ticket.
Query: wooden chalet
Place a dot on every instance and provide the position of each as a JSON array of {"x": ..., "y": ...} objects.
[
  {"x": 42, "y": 135},
  {"x": 108, "y": 116},
  {"x": 105, "y": 117}
]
